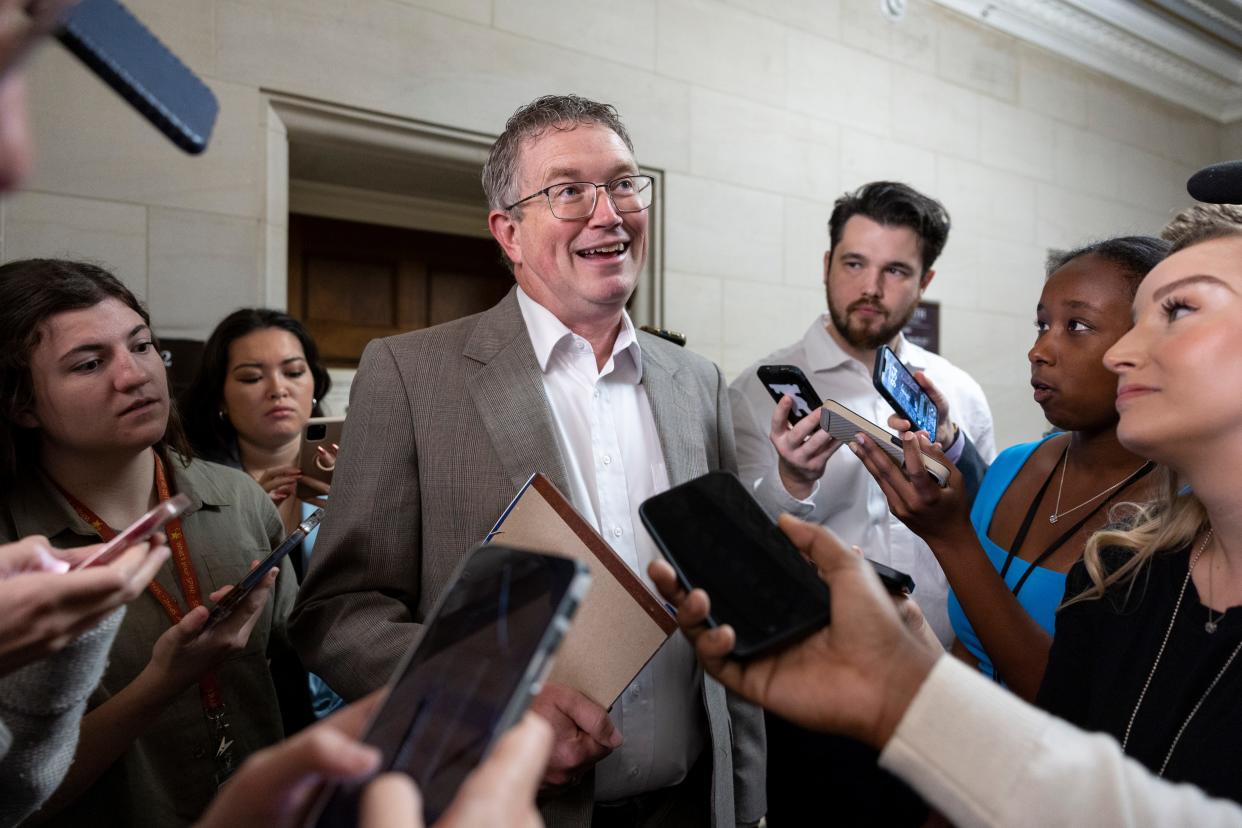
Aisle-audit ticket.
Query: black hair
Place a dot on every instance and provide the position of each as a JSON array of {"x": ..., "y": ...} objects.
[
  {"x": 213, "y": 436},
  {"x": 31, "y": 292},
  {"x": 1135, "y": 255},
  {"x": 893, "y": 204}
]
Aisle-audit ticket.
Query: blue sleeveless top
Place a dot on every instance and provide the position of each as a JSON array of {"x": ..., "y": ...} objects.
[{"x": 1044, "y": 589}]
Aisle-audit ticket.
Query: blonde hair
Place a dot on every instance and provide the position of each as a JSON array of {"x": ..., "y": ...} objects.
[
  {"x": 1202, "y": 222},
  {"x": 1168, "y": 522},
  {"x": 1175, "y": 516}
]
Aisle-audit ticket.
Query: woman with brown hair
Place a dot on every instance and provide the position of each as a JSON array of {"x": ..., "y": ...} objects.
[{"x": 89, "y": 441}]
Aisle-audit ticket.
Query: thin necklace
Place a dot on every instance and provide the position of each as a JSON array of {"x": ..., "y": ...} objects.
[
  {"x": 1130, "y": 725},
  {"x": 1057, "y": 514},
  {"x": 1210, "y": 626}
]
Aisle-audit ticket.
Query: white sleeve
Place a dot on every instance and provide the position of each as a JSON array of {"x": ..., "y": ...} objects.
[
  {"x": 757, "y": 458},
  {"x": 984, "y": 757}
]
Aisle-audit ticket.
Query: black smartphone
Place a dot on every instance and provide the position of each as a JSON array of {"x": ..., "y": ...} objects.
[
  {"x": 483, "y": 654},
  {"x": 254, "y": 577},
  {"x": 789, "y": 379},
  {"x": 717, "y": 536},
  {"x": 105, "y": 36},
  {"x": 902, "y": 391}
]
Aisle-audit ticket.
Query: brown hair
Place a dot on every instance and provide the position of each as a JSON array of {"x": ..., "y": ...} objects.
[{"x": 31, "y": 292}]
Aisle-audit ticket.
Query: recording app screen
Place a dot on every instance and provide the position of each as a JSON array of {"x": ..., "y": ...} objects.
[
  {"x": 918, "y": 406},
  {"x": 724, "y": 542},
  {"x": 442, "y": 713}
]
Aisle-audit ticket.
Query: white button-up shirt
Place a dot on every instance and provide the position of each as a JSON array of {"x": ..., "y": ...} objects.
[
  {"x": 614, "y": 462},
  {"x": 847, "y": 499}
]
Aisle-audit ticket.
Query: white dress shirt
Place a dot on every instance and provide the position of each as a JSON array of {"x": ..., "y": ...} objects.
[
  {"x": 984, "y": 757},
  {"x": 614, "y": 462},
  {"x": 846, "y": 499}
]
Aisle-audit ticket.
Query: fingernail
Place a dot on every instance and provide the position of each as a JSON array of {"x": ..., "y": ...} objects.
[{"x": 615, "y": 740}]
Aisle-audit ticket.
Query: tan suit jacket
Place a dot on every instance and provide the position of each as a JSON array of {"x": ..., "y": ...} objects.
[{"x": 445, "y": 424}]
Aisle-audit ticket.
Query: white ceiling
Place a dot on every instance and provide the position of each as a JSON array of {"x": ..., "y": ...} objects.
[{"x": 1186, "y": 51}]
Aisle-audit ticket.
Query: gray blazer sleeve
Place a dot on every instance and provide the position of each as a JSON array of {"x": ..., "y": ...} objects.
[
  {"x": 750, "y": 744},
  {"x": 352, "y": 620}
]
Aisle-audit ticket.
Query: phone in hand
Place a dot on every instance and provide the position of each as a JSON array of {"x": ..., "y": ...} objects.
[
  {"x": 484, "y": 652},
  {"x": 789, "y": 379},
  {"x": 254, "y": 577},
  {"x": 137, "y": 532},
  {"x": 844, "y": 425},
  {"x": 902, "y": 391},
  {"x": 717, "y": 537},
  {"x": 115, "y": 45},
  {"x": 318, "y": 431}
]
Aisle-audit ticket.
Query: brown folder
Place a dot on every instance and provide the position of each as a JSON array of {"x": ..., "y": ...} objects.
[{"x": 621, "y": 623}]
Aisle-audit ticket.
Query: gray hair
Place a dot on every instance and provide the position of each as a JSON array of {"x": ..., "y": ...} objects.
[{"x": 562, "y": 112}]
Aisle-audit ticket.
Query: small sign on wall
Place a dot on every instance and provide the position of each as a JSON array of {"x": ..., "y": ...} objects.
[{"x": 923, "y": 329}]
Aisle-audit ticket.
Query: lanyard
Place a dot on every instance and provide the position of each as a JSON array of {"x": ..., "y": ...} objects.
[
  {"x": 210, "y": 694},
  {"x": 1065, "y": 536}
]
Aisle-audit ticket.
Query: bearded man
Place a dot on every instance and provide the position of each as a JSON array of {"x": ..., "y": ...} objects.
[{"x": 884, "y": 239}]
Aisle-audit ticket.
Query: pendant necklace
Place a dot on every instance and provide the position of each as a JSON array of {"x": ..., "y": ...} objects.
[
  {"x": 1210, "y": 627},
  {"x": 1057, "y": 514}
]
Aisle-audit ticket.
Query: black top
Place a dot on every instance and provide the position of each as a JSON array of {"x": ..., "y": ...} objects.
[{"x": 1103, "y": 652}]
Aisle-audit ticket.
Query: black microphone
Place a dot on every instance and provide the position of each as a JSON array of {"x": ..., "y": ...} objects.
[{"x": 1217, "y": 184}]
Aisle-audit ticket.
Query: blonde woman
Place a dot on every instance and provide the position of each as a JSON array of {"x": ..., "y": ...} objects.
[{"x": 1147, "y": 646}]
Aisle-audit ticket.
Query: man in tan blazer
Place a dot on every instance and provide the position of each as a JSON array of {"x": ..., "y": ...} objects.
[{"x": 446, "y": 424}]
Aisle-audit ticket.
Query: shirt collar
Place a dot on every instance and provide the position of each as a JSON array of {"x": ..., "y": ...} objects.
[
  {"x": 547, "y": 334},
  {"x": 39, "y": 508},
  {"x": 824, "y": 354}
]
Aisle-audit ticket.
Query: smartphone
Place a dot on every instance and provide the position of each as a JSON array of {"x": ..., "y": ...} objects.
[
  {"x": 138, "y": 531},
  {"x": 717, "y": 536},
  {"x": 254, "y": 577},
  {"x": 844, "y": 424},
  {"x": 482, "y": 655},
  {"x": 789, "y": 379},
  {"x": 902, "y": 391},
  {"x": 115, "y": 45},
  {"x": 318, "y": 431}
]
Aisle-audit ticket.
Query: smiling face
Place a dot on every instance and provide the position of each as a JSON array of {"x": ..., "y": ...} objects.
[
  {"x": 1179, "y": 386},
  {"x": 269, "y": 389},
  {"x": 1083, "y": 310},
  {"x": 874, "y": 279},
  {"x": 585, "y": 269},
  {"x": 100, "y": 386}
]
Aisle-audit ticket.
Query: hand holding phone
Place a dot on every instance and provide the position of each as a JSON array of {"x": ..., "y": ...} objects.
[
  {"x": 717, "y": 537},
  {"x": 245, "y": 586},
  {"x": 788, "y": 380},
  {"x": 321, "y": 440},
  {"x": 138, "y": 531},
  {"x": 845, "y": 425},
  {"x": 902, "y": 391},
  {"x": 483, "y": 653}
]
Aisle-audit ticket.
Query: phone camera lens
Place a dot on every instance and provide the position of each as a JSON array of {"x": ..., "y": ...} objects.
[{"x": 316, "y": 432}]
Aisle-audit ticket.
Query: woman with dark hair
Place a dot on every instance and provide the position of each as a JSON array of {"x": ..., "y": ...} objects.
[
  {"x": 89, "y": 441},
  {"x": 1149, "y": 638},
  {"x": 1006, "y": 557},
  {"x": 259, "y": 381}
]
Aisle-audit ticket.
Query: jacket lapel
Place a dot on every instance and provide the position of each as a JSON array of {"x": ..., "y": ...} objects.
[
  {"x": 508, "y": 393},
  {"x": 678, "y": 414}
]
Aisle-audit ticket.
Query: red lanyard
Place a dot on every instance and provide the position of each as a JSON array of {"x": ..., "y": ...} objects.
[{"x": 187, "y": 580}]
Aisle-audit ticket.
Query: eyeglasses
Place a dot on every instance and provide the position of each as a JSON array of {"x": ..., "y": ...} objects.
[{"x": 577, "y": 199}]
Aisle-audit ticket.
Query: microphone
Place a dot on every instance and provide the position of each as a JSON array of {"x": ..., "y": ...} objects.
[{"x": 1217, "y": 184}]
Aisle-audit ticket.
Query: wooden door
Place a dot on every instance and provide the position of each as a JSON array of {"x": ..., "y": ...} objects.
[{"x": 351, "y": 282}]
